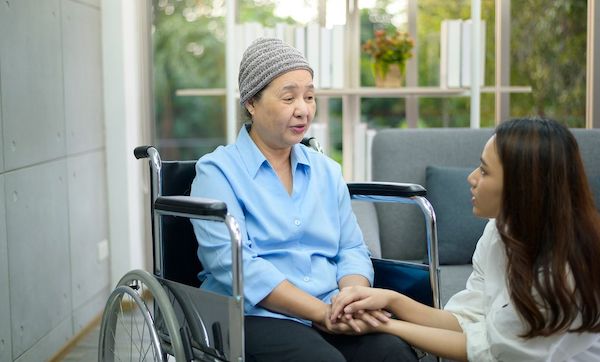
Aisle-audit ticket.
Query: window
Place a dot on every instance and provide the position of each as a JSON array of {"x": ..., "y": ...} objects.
[{"x": 546, "y": 52}]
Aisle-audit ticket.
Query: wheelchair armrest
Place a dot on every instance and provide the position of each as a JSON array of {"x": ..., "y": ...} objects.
[
  {"x": 408, "y": 194},
  {"x": 192, "y": 207},
  {"x": 386, "y": 189}
]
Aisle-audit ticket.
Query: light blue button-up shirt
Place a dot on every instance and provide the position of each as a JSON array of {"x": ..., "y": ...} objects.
[{"x": 310, "y": 238}]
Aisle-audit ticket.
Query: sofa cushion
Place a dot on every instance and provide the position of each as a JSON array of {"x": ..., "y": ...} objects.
[
  {"x": 402, "y": 155},
  {"x": 366, "y": 215},
  {"x": 458, "y": 229},
  {"x": 453, "y": 279}
]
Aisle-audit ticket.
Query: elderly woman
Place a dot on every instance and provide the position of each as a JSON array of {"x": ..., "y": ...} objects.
[{"x": 301, "y": 240}]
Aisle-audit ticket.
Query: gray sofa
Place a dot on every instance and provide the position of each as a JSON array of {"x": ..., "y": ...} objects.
[{"x": 396, "y": 231}]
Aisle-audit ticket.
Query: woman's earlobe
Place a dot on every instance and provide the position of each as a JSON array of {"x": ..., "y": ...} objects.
[{"x": 249, "y": 107}]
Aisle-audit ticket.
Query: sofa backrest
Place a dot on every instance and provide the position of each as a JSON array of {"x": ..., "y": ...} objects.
[
  {"x": 402, "y": 155},
  {"x": 589, "y": 146}
]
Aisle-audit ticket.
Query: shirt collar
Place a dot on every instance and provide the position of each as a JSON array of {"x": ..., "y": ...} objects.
[
  {"x": 249, "y": 152},
  {"x": 254, "y": 159},
  {"x": 299, "y": 156}
]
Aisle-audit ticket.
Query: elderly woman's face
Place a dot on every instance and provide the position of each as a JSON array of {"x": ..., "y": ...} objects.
[{"x": 282, "y": 115}]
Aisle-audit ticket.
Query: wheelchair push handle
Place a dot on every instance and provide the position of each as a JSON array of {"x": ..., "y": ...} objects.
[
  {"x": 142, "y": 151},
  {"x": 311, "y": 142}
]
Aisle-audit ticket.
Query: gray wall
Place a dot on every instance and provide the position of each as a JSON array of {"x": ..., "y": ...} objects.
[{"x": 53, "y": 208}]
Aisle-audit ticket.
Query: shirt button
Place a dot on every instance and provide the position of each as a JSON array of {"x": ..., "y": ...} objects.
[
  {"x": 297, "y": 222},
  {"x": 306, "y": 279}
]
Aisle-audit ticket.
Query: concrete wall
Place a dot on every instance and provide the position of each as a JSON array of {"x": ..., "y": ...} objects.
[{"x": 54, "y": 273}]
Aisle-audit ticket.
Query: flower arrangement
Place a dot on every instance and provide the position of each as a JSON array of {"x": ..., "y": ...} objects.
[{"x": 387, "y": 49}]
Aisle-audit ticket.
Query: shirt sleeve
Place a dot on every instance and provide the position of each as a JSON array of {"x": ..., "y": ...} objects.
[
  {"x": 353, "y": 255},
  {"x": 260, "y": 276}
]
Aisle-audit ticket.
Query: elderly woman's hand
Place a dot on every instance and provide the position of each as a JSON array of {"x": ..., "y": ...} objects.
[
  {"x": 363, "y": 303},
  {"x": 364, "y": 321},
  {"x": 352, "y": 326}
]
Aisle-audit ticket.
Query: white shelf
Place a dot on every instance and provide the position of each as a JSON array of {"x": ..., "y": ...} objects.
[
  {"x": 511, "y": 89},
  {"x": 202, "y": 92},
  {"x": 375, "y": 92}
]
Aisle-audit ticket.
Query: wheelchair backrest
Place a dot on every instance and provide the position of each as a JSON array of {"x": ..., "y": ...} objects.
[
  {"x": 180, "y": 260},
  {"x": 179, "y": 244}
]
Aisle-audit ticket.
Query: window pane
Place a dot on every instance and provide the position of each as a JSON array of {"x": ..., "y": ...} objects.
[
  {"x": 548, "y": 53},
  {"x": 442, "y": 111},
  {"x": 189, "y": 52}
]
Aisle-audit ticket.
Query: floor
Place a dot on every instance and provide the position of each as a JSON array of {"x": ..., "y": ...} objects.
[
  {"x": 132, "y": 336},
  {"x": 87, "y": 347}
]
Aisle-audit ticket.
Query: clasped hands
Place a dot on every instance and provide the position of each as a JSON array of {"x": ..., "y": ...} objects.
[{"x": 356, "y": 310}]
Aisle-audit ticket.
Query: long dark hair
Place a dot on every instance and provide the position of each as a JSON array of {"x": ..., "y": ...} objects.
[{"x": 550, "y": 228}]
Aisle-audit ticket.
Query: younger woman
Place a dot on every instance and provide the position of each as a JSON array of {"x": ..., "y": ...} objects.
[{"x": 534, "y": 294}]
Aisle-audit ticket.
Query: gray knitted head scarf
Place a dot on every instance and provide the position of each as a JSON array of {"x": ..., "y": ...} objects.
[{"x": 264, "y": 60}]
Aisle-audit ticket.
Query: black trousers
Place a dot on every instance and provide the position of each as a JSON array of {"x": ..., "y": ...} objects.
[{"x": 272, "y": 339}]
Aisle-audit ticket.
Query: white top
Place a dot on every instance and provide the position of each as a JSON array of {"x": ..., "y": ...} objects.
[{"x": 491, "y": 323}]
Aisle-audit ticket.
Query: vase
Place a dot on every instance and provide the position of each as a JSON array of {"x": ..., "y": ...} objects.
[{"x": 393, "y": 78}]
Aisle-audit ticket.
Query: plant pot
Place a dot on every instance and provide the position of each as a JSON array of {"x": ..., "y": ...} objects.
[{"x": 393, "y": 78}]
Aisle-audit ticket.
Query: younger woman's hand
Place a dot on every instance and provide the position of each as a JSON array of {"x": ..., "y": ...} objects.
[
  {"x": 352, "y": 300},
  {"x": 342, "y": 326},
  {"x": 365, "y": 321}
]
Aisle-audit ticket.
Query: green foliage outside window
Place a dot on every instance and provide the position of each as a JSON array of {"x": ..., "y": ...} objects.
[
  {"x": 548, "y": 43},
  {"x": 187, "y": 54},
  {"x": 549, "y": 53}
]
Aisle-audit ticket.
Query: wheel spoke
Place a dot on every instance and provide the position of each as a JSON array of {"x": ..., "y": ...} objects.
[
  {"x": 124, "y": 327},
  {"x": 131, "y": 324}
]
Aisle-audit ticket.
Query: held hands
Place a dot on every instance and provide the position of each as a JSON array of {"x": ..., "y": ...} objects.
[
  {"x": 352, "y": 326},
  {"x": 361, "y": 308}
]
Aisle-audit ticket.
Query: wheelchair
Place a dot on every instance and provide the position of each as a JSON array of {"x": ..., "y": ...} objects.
[{"x": 162, "y": 314}]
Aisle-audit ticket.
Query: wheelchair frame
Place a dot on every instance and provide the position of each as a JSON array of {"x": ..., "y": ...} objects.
[
  {"x": 179, "y": 317},
  {"x": 411, "y": 194},
  {"x": 173, "y": 303}
]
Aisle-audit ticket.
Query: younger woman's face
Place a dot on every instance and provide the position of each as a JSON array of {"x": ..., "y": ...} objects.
[{"x": 486, "y": 183}]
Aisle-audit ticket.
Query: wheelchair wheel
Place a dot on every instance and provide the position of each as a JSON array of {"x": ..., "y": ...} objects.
[{"x": 139, "y": 322}]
